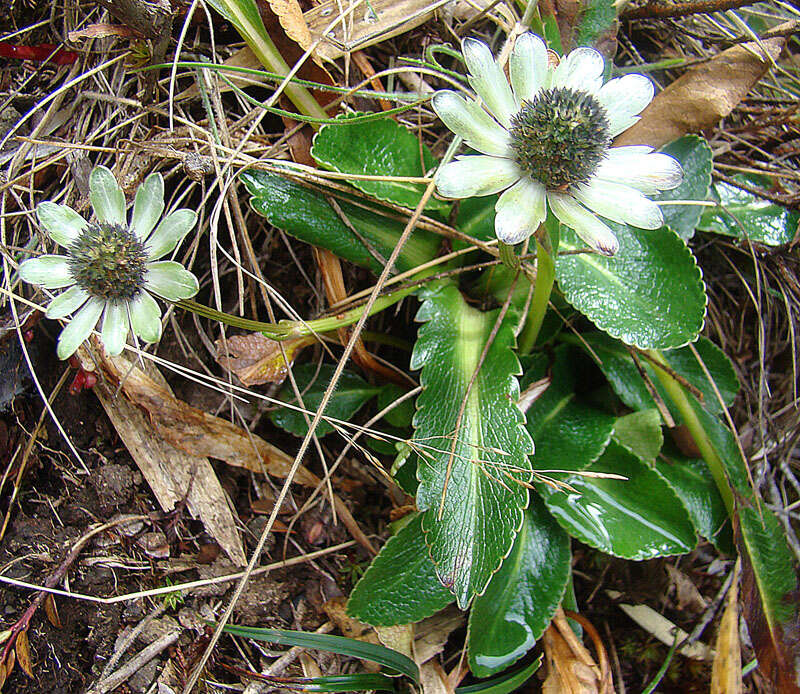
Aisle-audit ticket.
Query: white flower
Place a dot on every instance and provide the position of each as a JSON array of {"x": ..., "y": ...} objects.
[
  {"x": 545, "y": 140},
  {"x": 112, "y": 268}
]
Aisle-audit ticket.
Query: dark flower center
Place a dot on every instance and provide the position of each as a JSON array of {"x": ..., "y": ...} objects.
[
  {"x": 108, "y": 261},
  {"x": 560, "y": 136}
]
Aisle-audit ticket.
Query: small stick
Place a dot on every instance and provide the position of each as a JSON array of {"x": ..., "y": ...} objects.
[{"x": 654, "y": 10}]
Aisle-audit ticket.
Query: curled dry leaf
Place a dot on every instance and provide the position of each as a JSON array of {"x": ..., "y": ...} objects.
[
  {"x": 196, "y": 433},
  {"x": 255, "y": 359},
  {"x": 291, "y": 19},
  {"x": 703, "y": 95},
  {"x": 726, "y": 673},
  {"x": 51, "y": 610}
]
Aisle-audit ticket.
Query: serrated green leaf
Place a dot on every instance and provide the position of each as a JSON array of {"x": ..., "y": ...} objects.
[
  {"x": 377, "y": 148},
  {"x": 597, "y": 17},
  {"x": 746, "y": 216},
  {"x": 307, "y": 215},
  {"x": 640, "y": 433},
  {"x": 650, "y": 294},
  {"x": 695, "y": 156},
  {"x": 522, "y": 597},
  {"x": 400, "y": 586},
  {"x": 636, "y": 518},
  {"x": 351, "y": 394},
  {"x": 473, "y": 446},
  {"x": 562, "y": 426},
  {"x": 691, "y": 480},
  {"x": 618, "y": 367}
]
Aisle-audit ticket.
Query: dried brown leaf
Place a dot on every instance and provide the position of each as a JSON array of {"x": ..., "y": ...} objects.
[
  {"x": 726, "y": 673},
  {"x": 351, "y": 628},
  {"x": 101, "y": 31},
  {"x": 686, "y": 592},
  {"x": 22, "y": 648},
  {"x": 51, "y": 610},
  {"x": 198, "y": 434},
  {"x": 255, "y": 359},
  {"x": 703, "y": 95},
  {"x": 291, "y": 18},
  {"x": 3, "y": 675},
  {"x": 570, "y": 667}
]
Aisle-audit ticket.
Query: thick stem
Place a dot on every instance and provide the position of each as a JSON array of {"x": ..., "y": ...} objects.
[
  {"x": 508, "y": 256},
  {"x": 693, "y": 424},
  {"x": 545, "y": 278}
]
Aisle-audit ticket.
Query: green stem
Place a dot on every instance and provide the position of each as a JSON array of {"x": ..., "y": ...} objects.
[
  {"x": 531, "y": 14},
  {"x": 508, "y": 256},
  {"x": 287, "y": 329},
  {"x": 545, "y": 277},
  {"x": 695, "y": 427}
]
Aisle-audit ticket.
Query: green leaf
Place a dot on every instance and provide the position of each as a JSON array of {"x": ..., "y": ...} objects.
[
  {"x": 307, "y": 215},
  {"x": 400, "y": 586},
  {"x": 333, "y": 644},
  {"x": 359, "y": 682},
  {"x": 650, "y": 294},
  {"x": 351, "y": 394},
  {"x": 691, "y": 480},
  {"x": 636, "y": 518},
  {"x": 640, "y": 433},
  {"x": 695, "y": 156},
  {"x": 563, "y": 427},
  {"x": 377, "y": 148},
  {"x": 473, "y": 447},
  {"x": 618, "y": 367},
  {"x": 503, "y": 684},
  {"x": 744, "y": 215},
  {"x": 401, "y": 415},
  {"x": 404, "y": 468},
  {"x": 597, "y": 17},
  {"x": 522, "y": 597}
]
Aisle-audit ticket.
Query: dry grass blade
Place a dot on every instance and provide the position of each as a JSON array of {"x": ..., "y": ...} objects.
[
  {"x": 705, "y": 94},
  {"x": 726, "y": 673}
]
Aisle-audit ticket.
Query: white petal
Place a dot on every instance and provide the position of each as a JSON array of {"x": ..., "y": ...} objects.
[
  {"x": 106, "y": 196},
  {"x": 170, "y": 232},
  {"x": 520, "y": 211},
  {"x": 48, "y": 271},
  {"x": 475, "y": 175},
  {"x": 528, "y": 67},
  {"x": 624, "y": 98},
  {"x": 582, "y": 69},
  {"x": 584, "y": 223},
  {"x": 146, "y": 317},
  {"x": 171, "y": 280},
  {"x": 649, "y": 173},
  {"x": 468, "y": 119},
  {"x": 488, "y": 80},
  {"x": 115, "y": 327},
  {"x": 62, "y": 223},
  {"x": 148, "y": 206},
  {"x": 67, "y": 302},
  {"x": 620, "y": 203},
  {"x": 79, "y": 328}
]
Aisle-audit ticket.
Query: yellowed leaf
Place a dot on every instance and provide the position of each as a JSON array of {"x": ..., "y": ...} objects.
[
  {"x": 726, "y": 673},
  {"x": 5, "y": 635},
  {"x": 3, "y": 675},
  {"x": 51, "y": 610},
  {"x": 22, "y": 649},
  {"x": 255, "y": 359},
  {"x": 570, "y": 667},
  {"x": 291, "y": 18},
  {"x": 399, "y": 638},
  {"x": 703, "y": 95}
]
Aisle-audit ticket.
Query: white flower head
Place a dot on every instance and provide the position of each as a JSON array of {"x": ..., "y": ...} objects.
[
  {"x": 545, "y": 139},
  {"x": 112, "y": 267}
]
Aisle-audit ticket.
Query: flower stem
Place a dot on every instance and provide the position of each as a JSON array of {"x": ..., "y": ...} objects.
[
  {"x": 545, "y": 277},
  {"x": 285, "y": 329},
  {"x": 508, "y": 256},
  {"x": 695, "y": 427}
]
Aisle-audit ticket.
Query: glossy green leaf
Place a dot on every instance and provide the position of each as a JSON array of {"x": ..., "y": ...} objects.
[
  {"x": 650, "y": 294},
  {"x": 503, "y": 684},
  {"x": 359, "y": 682},
  {"x": 522, "y": 597},
  {"x": 377, "y": 148},
  {"x": 306, "y": 214},
  {"x": 695, "y": 156},
  {"x": 562, "y": 426},
  {"x": 333, "y": 644},
  {"x": 473, "y": 447},
  {"x": 351, "y": 394},
  {"x": 618, "y": 367},
  {"x": 639, "y": 517},
  {"x": 400, "y": 586},
  {"x": 691, "y": 480},
  {"x": 744, "y": 215},
  {"x": 640, "y": 433}
]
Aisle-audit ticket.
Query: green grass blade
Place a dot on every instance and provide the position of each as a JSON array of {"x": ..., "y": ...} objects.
[{"x": 505, "y": 683}]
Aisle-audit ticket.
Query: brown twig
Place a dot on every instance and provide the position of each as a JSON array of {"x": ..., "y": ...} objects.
[{"x": 657, "y": 10}]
